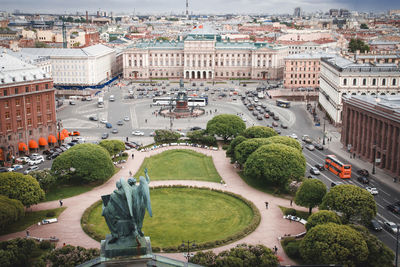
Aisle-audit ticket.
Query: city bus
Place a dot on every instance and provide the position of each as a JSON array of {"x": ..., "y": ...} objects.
[
  {"x": 163, "y": 101},
  {"x": 197, "y": 102},
  {"x": 282, "y": 103},
  {"x": 337, "y": 167}
]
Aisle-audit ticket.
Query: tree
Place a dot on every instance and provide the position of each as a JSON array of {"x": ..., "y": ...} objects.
[
  {"x": 333, "y": 244},
  {"x": 285, "y": 140},
  {"x": 230, "y": 152},
  {"x": 259, "y": 132},
  {"x": 201, "y": 137},
  {"x": 166, "y": 136},
  {"x": 45, "y": 178},
  {"x": 276, "y": 164},
  {"x": 16, "y": 252},
  {"x": 11, "y": 210},
  {"x": 355, "y": 203},
  {"x": 24, "y": 188},
  {"x": 379, "y": 255},
  {"x": 113, "y": 147},
  {"x": 40, "y": 44},
  {"x": 322, "y": 217},
  {"x": 84, "y": 163},
  {"x": 72, "y": 256},
  {"x": 241, "y": 255},
  {"x": 358, "y": 44},
  {"x": 310, "y": 193},
  {"x": 226, "y": 126},
  {"x": 247, "y": 147},
  {"x": 364, "y": 26}
]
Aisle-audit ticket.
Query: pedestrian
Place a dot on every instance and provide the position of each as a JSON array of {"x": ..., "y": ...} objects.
[
  {"x": 133, "y": 156},
  {"x": 266, "y": 204},
  {"x": 130, "y": 174},
  {"x": 61, "y": 202},
  {"x": 354, "y": 155},
  {"x": 27, "y": 233},
  {"x": 394, "y": 180},
  {"x": 275, "y": 249},
  {"x": 127, "y": 139},
  {"x": 291, "y": 202},
  {"x": 145, "y": 120}
]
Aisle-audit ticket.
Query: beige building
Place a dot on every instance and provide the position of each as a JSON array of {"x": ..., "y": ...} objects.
[{"x": 202, "y": 55}]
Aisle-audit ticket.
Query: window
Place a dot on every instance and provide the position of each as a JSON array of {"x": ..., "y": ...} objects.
[
  {"x": 17, "y": 102},
  {"x": 364, "y": 82},
  {"x": 28, "y": 110},
  {"x": 344, "y": 82},
  {"x": 37, "y": 87},
  {"x": 16, "y": 91},
  {"x": 26, "y": 89},
  {"x": 373, "y": 81},
  {"x": 49, "y": 119},
  {"x": 354, "y": 81},
  {"x": 38, "y": 108},
  {"x": 4, "y": 92},
  {"x": 7, "y": 114},
  {"x": 30, "y": 123},
  {"x": 47, "y": 86},
  {"x": 8, "y": 128},
  {"x": 394, "y": 82},
  {"x": 39, "y": 119},
  {"x": 38, "y": 98},
  {"x": 384, "y": 82},
  {"x": 18, "y": 113},
  {"x": 19, "y": 124}
]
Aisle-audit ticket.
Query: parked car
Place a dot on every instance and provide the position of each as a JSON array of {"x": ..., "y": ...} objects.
[
  {"x": 5, "y": 169},
  {"x": 30, "y": 169},
  {"x": 103, "y": 121},
  {"x": 75, "y": 133},
  {"x": 195, "y": 128},
  {"x": 17, "y": 167},
  {"x": 104, "y": 136},
  {"x": 266, "y": 115},
  {"x": 138, "y": 133},
  {"x": 311, "y": 177},
  {"x": 375, "y": 225},
  {"x": 120, "y": 123},
  {"x": 363, "y": 179},
  {"x": 72, "y": 103},
  {"x": 363, "y": 172},
  {"x": 274, "y": 124},
  {"x": 306, "y": 139},
  {"x": 276, "y": 118},
  {"x": 114, "y": 131},
  {"x": 391, "y": 227},
  {"x": 320, "y": 167},
  {"x": 108, "y": 125},
  {"x": 259, "y": 117},
  {"x": 22, "y": 159},
  {"x": 293, "y": 135},
  {"x": 93, "y": 118},
  {"x": 394, "y": 208},
  {"x": 372, "y": 190},
  {"x": 284, "y": 126},
  {"x": 318, "y": 146},
  {"x": 315, "y": 171},
  {"x": 126, "y": 118},
  {"x": 53, "y": 156},
  {"x": 35, "y": 161}
]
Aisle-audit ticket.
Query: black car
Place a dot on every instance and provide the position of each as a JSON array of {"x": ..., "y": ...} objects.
[
  {"x": 363, "y": 172},
  {"x": 52, "y": 156},
  {"x": 363, "y": 179},
  {"x": 375, "y": 225},
  {"x": 46, "y": 152},
  {"x": 195, "y": 128},
  {"x": 104, "y": 136},
  {"x": 318, "y": 146},
  {"x": 319, "y": 167},
  {"x": 394, "y": 208},
  {"x": 284, "y": 126},
  {"x": 333, "y": 184}
]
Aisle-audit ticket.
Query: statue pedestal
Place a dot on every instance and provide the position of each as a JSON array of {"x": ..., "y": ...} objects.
[{"x": 125, "y": 247}]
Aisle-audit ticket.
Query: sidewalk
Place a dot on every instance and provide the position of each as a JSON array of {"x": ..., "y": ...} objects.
[{"x": 338, "y": 149}]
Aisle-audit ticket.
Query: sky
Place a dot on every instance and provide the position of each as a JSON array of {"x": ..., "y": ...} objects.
[{"x": 203, "y": 6}]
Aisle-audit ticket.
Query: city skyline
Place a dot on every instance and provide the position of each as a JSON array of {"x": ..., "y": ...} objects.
[{"x": 206, "y": 6}]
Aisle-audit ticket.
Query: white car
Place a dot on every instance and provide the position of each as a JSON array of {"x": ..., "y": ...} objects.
[
  {"x": 30, "y": 169},
  {"x": 372, "y": 190},
  {"x": 137, "y": 133},
  {"x": 35, "y": 161},
  {"x": 126, "y": 118},
  {"x": 23, "y": 159},
  {"x": 103, "y": 121},
  {"x": 390, "y": 226},
  {"x": 17, "y": 167},
  {"x": 294, "y": 136}
]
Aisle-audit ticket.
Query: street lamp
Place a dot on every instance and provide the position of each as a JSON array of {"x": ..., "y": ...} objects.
[
  {"x": 373, "y": 164},
  {"x": 58, "y": 132},
  {"x": 186, "y": 245}
]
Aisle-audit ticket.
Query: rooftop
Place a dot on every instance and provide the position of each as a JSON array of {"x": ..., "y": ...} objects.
[
  {"x": 345, "y": 65},
  {"x": 316, "y": 55},
  {"x": 94, "y": 50}
]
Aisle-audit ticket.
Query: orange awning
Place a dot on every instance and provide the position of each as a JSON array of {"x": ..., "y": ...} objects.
[
  {"x": 65, "y": 132},
  {"x": 60, "y": 136},
  {"x": 1, "y": 154},
  {"x": 52, "y": 139},
  {"x": 33, "y": 144},
  {"x": 22, "y": 147},
  {"x": 42, "y": 141}
]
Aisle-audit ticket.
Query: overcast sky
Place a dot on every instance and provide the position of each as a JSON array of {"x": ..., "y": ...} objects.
[{"x": 203, "y": 6}]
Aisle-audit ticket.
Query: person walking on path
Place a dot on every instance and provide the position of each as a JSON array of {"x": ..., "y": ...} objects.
[
  {"x": 266, "y": 204},
  {"x": 61, "y": 202},
  {"x": 133, "y": 156},
  {"x": 27, "y": 233},
  {"x": 275, "y": 249},
  {"x": 291, "y": 202}
]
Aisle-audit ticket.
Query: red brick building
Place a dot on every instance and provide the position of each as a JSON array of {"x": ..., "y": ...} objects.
[
  {"x": 27, "y": 108},
  {"x": 371, "y": 128}
]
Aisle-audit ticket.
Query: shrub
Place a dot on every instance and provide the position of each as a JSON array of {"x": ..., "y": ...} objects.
[
  {"x": 11, "y": 210},
  {"x": 225, "y": 147},
  {"x": 72, "y": 256},
  {"x": 46, "y": 244},
  {"x": 45, "y": 178},
  {"x": 51, "y": 213},
  {"x": 290, "y": 212},
  {"x": 166, "y": 136},
  {"x": 292, "y": 249}
]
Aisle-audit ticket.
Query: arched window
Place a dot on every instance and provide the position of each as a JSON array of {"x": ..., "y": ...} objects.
[
  {"x": 344, "y": 82},
  {"x": 354, "y": 81},
  {"x": 394, "y": 82},
  {"x": 383, "y": 82},
  {"x": 364, "y": 82}
]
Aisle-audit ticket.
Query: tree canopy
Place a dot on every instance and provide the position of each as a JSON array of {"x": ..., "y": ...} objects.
[
  {"x": 166, "y": 136},
  {"x": 310, "y": 193},
  {"x": 355, "y": 203},
  {"x": 241, "y": 255},
  {"x": 333, "y": 244},
  {"x": 24, "y": 188},
  {"x": 322, "y": 217},
  {"x": 113, "y": 147},
  {"x": 226, "y": 126},
  {"x": 11, "y": 210},
  {"x": 259, "y": 132},
  {"x": 201, "y": 137},
  {"x": 285, "y": 140},
  {"x": 358, "y": 44},
  {"x": 276, "y": 164},
  {"x": 72, "y": 256},
  {"x": 84, "y": 163},
  {"x": 230, "y": 152},
  {"x": 45, "y": 178},
  {"x": 247, "y": 147}
]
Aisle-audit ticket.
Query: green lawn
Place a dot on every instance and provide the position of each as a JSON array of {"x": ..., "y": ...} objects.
[
  {"x": 180, "y": 164},
  {"x": 187, "y": 214},
  {"x": 63, "y": 191},
  {"x": 31, "y": 218}
]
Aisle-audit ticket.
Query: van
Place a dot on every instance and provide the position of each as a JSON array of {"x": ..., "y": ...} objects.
[{"x": 112, "y": 98}]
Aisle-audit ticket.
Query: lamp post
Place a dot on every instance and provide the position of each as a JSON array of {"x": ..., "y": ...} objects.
[
  {"x": 373, "y": 164},
  {"x": 58, "y": 132},
  {"x": 186, "y": 245}
]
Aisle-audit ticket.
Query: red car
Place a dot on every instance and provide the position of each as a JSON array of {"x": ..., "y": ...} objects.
[{"x": 75, "y": 133}]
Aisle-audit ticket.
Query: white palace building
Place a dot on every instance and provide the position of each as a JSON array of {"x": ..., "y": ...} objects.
[{"x": 202, "y": 55}]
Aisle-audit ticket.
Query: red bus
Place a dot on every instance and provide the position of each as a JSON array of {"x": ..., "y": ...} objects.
[{"x": 337, "y": 167}]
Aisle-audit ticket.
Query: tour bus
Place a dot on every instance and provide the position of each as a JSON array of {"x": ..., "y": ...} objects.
[
  {"x": 196, "y": 102},
  {"x": 100, "y": 102},
  {"x": 163, "y": 101},
  {"x": 337, "y": 167},
  {"x": 282, "y": 103}
]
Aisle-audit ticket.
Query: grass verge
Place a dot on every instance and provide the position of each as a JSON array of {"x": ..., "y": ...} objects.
[
  {"x": 31, "y": 218},
  {"x": 299, "y": 213}
]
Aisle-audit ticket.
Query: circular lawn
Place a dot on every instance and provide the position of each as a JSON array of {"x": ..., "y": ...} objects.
[{"x": 203, "y": 215}]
